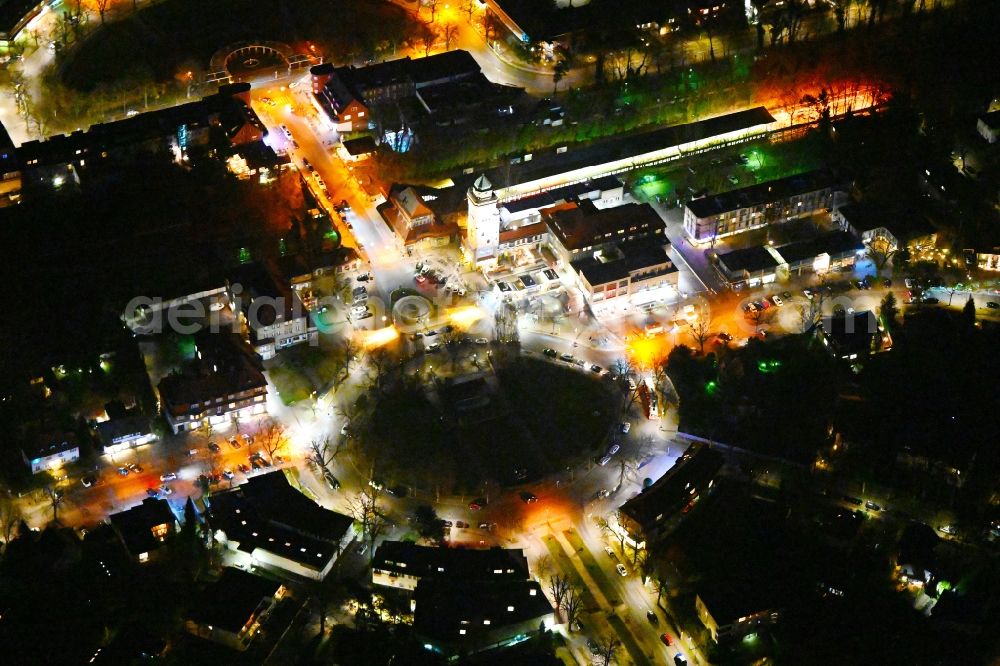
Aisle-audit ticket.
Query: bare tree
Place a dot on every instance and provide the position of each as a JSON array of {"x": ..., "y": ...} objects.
[
  {"x": 10, "y": 516},
  {"x": 368, "y": 512},
  {"x": 428, "y": 37},
  {"x": 102, "y": 8},
  {"x": 450, "y": 32},
  {"x": 608, "y": 650},
  {"x": 271, "y": 437},
  {"x": 55, "y": 499},
  {"x": 572, "y": 605},
  {"x": 432, "y": 5},
  {"x": 627, "y": 379},
  {"x": 701, "y": 332},
  {"x": 558, "y": 586},
  {"x": 345, "y": 352},
  {"x": 323, "y": 452}
]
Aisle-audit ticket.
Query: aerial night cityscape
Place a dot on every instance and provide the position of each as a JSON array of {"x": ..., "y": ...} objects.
[{"x": 500, "y": 332}]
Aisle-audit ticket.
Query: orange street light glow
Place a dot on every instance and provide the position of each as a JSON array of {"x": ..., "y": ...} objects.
[
  {"x": 647, "y": 351},
  {"x": 465, "y": 316},
  {"x": 379, "y": 337}
]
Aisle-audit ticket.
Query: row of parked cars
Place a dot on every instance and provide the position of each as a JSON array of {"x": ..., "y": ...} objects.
[{"x": 569, "y": 358}]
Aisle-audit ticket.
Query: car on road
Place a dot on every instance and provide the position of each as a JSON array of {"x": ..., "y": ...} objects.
[
  {"x": 604, "y": 460},
  {"x": 482, "y": 341},
  {"x": 256, "y": 464},
  {"x": 680, "y": 660},
  {"x": 88, "y": 480},
  {"x": 651, "y": 616},
  {"x": 477, "y": 503},
  {"x": 123, "y": 471},
  {"x": 566, "y": 357},
  {"x": 615, "y": 448},
  {"x": 169, "y": 476},
  {"x": 621, "y": 569},
  {"x": 626, "y": 426},
  {"x": 551, "y": 353},
  {"x": 487, "y": 526},
  {"x": 228, "y": 473},
  {"x": 528, "y": 498},
  {"x": 872, "y": 506},
  {"x": 596, "y": 369},
  {"x": 233, "y": 442},
  {"x": 243, "y": 467},
  {"x": 192, "y": 452},
  {"x": 777, "y": 300},
  {"x": 749, "y": 308},
  {"x": 307, "y": 165},
  {"x": 993, "y": 305},
  {"x": 665, "y": 638}
]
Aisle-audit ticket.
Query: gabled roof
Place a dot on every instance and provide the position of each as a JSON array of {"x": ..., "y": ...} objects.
[
  {"x": 135, "y": 525},
  {"x": 231, "y": 601},
  {"x": 762, "y": 193},
  {"x": 115, "y": 429}
]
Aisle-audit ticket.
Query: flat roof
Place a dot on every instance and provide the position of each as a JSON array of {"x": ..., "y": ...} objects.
[
  {"x": 561, "y": 194},
  {"x": 834, "y": 243},
  {"x": 363, "y": 145},
  {"x": 752, "y": 259},
  {"x": 584, "y": 224},
  {"x": 636, "y": 256},
  {"x": 49, "y": 443},
  {"x": 851, "y": 332},
  {"x": 443, "y": 608},
  {"x": 404, "y": 557},
  {"x": 903, "y": 223},
  {"x": 762, "y": 193},
  {"x": 550, "y": 161},
  {"x": 12, "y": 12},
  {"x": 226, "y": 367},
  {"x": 229, "y": 602},
  {"x": 114, "y": 429},
  {"x": 696, "y": 467}
]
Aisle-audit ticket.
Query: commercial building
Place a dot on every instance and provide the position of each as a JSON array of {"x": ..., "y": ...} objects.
[
  {"x": 232, "y": 609},
  {"x": 852, "y": 337},
  {"x": 348, "y": 95},
  {"x": 536, "y": 173},
  {"x": 888, "y": 231},
  {"x": 120, "y": 434},
  {"x": 225, "y": 382},
  {"x": 267, "y": 522},
  {"x": 413, "y": 221},
  {"x": 773, "y": 202},
  {"x": 660, "y": 507},
  {"x": 144, "y": 529},
  {"x": 402, "y": 564},
  {"x": 461, "y": 617},
  {"x": 271, "y": 312},
  {"x": 225, "y": 115},
  {"x": 754, "y": 266},
  {"x": 48, "y": 451}
]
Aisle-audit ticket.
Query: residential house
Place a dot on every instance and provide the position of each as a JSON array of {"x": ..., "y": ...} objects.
[
  {"x": 267, "y": 522},
  {"x": 144, "y": 529},
  {"x": 356, "y": 150},
  {"x": 232, "y": 609},
  {"x": 225, "y": 382},
  {"x": 773, "y": 202},
  {"x": 49, "y": 451},
  {"x": 461, "y": 617},
  {"x": 852, "y": 337},
  {"x": 660, "y": 507},
  {"x": 269, "y": 308},
  {"x": 402, "y": 564},
  {"x": 734, "y": 610}
]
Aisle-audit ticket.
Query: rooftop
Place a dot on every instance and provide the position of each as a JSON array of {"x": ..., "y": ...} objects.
[
  {"x": 12, "y": 12},
  {"x": 901, "y": 223},
  {"x": 49, "y": 444},
  {"x": 114, "y": 430},
  {"x": 992, "y": 119},
  {"x": 135, "y": 525},
  {"x": 851, "y": 333},
  {"x": 582, "y": 225},
  {"x": 407, "y": 558},
  {"x": 460, "y": 611},
  {"x": 639, "y": 255},
  {"x": 750, "y": 259},
  {"x": 227, "y": 367},
  {"x": 562, "y": 194},
  {"x": 696, "y": 467},
  {"x": 833, "y": 243},
  {"x": 231, "y": 601},
  {"x": 762, "y": 193},
  {"x": 360, "y": 146}
]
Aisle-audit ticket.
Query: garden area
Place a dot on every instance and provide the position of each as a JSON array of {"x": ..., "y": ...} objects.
[{"x": 535, "y": 419}]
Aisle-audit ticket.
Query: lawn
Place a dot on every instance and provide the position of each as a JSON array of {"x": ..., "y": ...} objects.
[
  {"x": 165, "y": 39},
  {"x": 292, "y": 386}
]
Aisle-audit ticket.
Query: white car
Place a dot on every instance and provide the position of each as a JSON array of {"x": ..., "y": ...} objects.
[
  {"x": 777, "y": 300},
  {"x": 169, "y": 476},
  {"x": 626, "y": 426},
  {"x": 621, "y": 569},
  {"x": 166, "y": 490},
  {"x": 609, "y": 551}
]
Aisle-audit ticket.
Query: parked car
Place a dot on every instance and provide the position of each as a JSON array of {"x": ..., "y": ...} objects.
[
  {"x": 88, "y": 481},
  {"x": 433, "y": 347},
  {"x": 596, "y": 369},
  {"x": 931, "y": 301},
  {"x": 152, "y": 492},
  {"x": 134, "y": 468},
  {"x": 233, "y": 442},
  {"x": 621, "y": 569},
  {"x": 604, "y": 460},
  {"x": 528, "y": 498},
  {"x": 566, "y": 357},
  {"x": 123, "y": 471},
  {"x": 477, "y": 504},
  {"x": 551, "y": 353},
  {"x": 244, "y": 468},
  {"x": 609, "y": 551},
  {"x": 228, "y": 473},
  {"x": 166, "y": 490},
  {"x": 651, "y": 616},
  {"x": 777, "y": 300},
  {"x": 482, "y": 341},
  {"x": 169, "y": 476},
  {"x": 615, "y": 448},
  {"x": 626, "y": 426},
  {"x": 666, "y": 639},
  {"x": 992, "y": 305}
]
